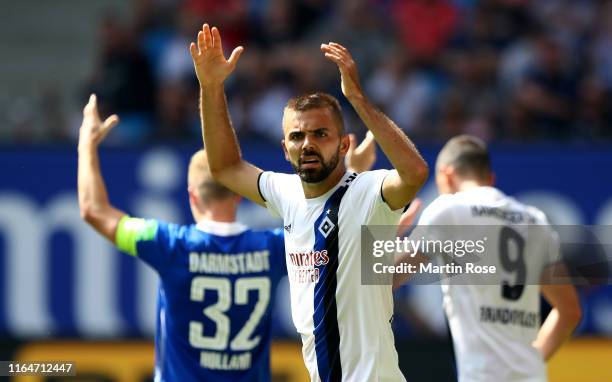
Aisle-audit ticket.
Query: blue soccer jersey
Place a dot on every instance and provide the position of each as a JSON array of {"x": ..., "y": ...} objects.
[{"x": 217, "y": 283}]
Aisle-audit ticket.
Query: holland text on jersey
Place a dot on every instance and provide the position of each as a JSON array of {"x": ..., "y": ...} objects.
[{"x": 224, "y": 361}]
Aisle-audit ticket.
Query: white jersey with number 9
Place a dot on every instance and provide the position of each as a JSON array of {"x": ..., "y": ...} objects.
[{"x": 493, "y": 326}]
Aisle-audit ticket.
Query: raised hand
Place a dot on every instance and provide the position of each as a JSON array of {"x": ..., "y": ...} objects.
[
  {"x": 210, "y": 64},
  {"x": 348, "y": 69},
  {"x": 361, "y": 158},
  {"x": 93, "y": 130}
]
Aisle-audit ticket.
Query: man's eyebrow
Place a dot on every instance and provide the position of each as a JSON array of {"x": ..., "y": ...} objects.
[
  {"x": 318, "y": 130},
  {"x": 309, "y": 131}
]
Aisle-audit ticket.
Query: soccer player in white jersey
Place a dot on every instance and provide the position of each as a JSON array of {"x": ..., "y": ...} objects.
[
  {"x": 489, "y": 345},
  {"x": 344, "y": 325}
]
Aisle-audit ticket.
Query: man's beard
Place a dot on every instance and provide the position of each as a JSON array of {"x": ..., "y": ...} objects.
[{"x": 311, "y": 175}]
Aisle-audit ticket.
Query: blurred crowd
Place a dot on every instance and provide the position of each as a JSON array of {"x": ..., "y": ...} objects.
[{"x": 504, "y": 70}]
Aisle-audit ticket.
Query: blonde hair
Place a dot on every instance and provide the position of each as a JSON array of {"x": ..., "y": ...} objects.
[{"x": 199, "y": 178}]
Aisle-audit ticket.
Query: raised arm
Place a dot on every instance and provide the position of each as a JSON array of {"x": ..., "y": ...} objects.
[
  {"x": 93, "y": 199},
  {"x": 224, "y": 157},
  {"x": 401, "y": 186}
]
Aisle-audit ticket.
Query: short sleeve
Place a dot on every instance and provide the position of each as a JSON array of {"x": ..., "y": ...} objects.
[
  {"x": 151, "y": 240},
  {"x": 366, "y": 193},
  {"x": 272, "y": 188}
]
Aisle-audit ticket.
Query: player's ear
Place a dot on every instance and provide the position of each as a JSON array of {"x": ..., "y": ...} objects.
[
  {"x": 451, "y": 177},
  {"x": 492, "y": 179},
  {"x": 345, "y": 143},
  {"x": 193, "y": 198},
  {"x": 448, "y": 171},
  {"x": 444, "y": 180},
  {"x": 285, "y": 150}
]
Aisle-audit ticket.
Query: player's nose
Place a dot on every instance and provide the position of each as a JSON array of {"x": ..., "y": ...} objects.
[{"x": 308, "y": 143}]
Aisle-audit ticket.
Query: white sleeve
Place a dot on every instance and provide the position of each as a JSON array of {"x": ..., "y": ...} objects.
[
  {"x": 366, "y": 194},
  {"x": 272, "y": 186}
]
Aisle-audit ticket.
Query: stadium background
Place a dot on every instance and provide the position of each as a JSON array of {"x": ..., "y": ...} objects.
[{"x": 533, "y": 78}]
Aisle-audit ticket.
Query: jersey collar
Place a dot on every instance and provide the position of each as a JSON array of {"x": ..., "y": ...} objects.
[
  {"x": 326, "y": 195},
  {"x": 221, "y": 229},
  {"x": 488, "y": 191}
]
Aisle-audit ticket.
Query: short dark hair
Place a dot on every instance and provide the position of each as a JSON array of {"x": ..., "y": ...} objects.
[
  {"x": 468, "y": 155},
  {"x": 318, "y": 100}
]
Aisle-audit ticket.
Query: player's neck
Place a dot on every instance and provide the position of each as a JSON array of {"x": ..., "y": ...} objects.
[
  {"x": 219, "y": 214},
  {"x": 470, "y": 184},
  {"x": 313, "y": 190}
]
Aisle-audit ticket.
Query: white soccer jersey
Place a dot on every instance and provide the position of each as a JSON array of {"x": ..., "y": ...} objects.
[
  {"x": 493, "y": 326},
  {"x": 345, "y": 326}
]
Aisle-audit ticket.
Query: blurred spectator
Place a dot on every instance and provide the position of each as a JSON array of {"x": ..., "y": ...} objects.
[
  {"x": 175, "y": 64},
  {"x": 277, "y": 24},
  {"x": 177, "y": 114},
  {"x": 405, "y": 91},
  {"x": 515, "y": 62},
  {"x": 230, "y": 15},
  {"x": 602, "y": 47},
  {"x": 549, "y": 91},
  {"x": 154, "y": 15},
  {"x": 567, "y": 20},
  {"x": 424, "y": 26},
  {"x": 471, "y": 103},
  {"x": 123, "y": 82},
  {"x": 597, "y": 89},
  {"x": 496, "y": 23},
  {"x": 359, "y": 26},
  {"x": 266, "y": 113},
  {"x": 595, "y": 117},
  {"x": 309, "y": 12}
]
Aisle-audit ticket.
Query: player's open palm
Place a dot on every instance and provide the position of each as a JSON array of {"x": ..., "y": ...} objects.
[
  {"x": 93, "y": 129},
  {"x": 361, "y": 158},
  {"x": 348, "y": 69},
  {"x": 210, "y": 64}
]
